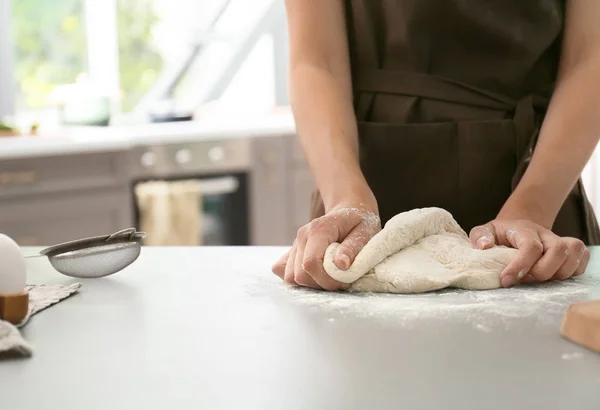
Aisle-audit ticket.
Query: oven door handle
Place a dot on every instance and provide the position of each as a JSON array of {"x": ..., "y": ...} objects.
[{"x": 218, "y": 186}]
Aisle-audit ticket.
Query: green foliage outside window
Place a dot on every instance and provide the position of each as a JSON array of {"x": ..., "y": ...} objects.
[
  {"x": 50, "y": 48},
  {"x": 140, "y": 63}
]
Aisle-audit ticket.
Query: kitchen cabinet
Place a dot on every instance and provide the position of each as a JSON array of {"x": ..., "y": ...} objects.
[
  {"x": 301, "y": 186},
  {"x": 51, "y": 199},
  {"x": 301, "y": 189},
  {"x": 281, "y": 188},
  {"x": 59, "y": 218},
  {"x": 27, "y": 177},
  {"x": 268, "y": 187},
  {"x": 47, "y": 200}
]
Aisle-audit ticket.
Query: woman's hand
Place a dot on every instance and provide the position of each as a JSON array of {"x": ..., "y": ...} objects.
[
  {"x": 352, "y": 227},
  {"x": 542, "y": 255}
]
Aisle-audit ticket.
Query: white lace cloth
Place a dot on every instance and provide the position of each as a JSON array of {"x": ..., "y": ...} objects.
[{"x": 40, "y": 297}]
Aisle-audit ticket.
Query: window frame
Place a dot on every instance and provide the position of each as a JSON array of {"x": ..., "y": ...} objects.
[{"x": 103, "y": 53}]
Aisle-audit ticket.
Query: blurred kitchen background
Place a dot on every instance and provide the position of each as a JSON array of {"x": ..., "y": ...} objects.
[{"x": 168, "y": 115}]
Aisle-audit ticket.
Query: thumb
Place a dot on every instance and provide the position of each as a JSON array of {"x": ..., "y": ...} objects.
[
  {"x": 350, "y": 247},
  {"x": 483, "y": 236}
]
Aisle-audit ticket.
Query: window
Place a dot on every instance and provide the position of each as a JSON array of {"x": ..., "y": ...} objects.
[
  {"x": 141, "y": 55},
  {"x": 215, "y": 49},
  {"x": 49, "y": 47},
  {"x": 250, "y": 86},
  {"x": 190, "y": 52}
]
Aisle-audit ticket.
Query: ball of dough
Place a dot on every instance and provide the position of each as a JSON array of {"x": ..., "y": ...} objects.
[{"x": 419, "y": 251}]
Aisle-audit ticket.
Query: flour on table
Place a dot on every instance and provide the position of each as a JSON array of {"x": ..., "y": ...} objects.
[
  {"x": 419, "y": 251},
  {"x": 571, "y": 356},
  {"x": 485, "y": 311}
]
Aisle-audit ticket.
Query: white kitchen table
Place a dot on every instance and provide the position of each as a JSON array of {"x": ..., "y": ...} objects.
[{"x": 212, "y": 328}]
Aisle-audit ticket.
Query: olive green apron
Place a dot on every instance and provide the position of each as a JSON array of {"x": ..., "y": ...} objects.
[{"x": 449, "y": 97}]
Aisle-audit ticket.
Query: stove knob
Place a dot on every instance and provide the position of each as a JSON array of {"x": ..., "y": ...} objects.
[
  {"x": 148, "y": 159},
  {"x": 216, "y": 154},
  {"x": 183, "y": 156}
]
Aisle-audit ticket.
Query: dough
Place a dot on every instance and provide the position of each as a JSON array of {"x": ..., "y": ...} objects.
[{"x": 420, "y": 251}]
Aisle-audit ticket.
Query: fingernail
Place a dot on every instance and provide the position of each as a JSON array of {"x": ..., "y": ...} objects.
[
  {"x": 508, "y": 281},
  {"x": 483, "y": 242},
  {"x": 344, "y": 261},
  {"x": 521, "y": 274}
]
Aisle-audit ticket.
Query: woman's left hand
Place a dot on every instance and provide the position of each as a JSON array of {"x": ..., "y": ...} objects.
[{"x": 542, "y": 255}]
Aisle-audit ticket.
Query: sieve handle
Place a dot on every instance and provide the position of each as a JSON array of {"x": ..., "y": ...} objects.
[
  {"x": 32, "y": 255},
  {"x": 129, "y": 231}
]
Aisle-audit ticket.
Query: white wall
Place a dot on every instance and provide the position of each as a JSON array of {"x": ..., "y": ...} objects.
[{"x": 591, "y": 180}]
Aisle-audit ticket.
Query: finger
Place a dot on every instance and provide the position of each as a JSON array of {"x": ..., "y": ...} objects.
[
  {"x": 289, "y": 266},
  {"x": 528, "y": 279},
  {"x": 300, "y": 275},
  {"x": 530, "y": 249},
  {"x": 303, "y": 279},
  {"x": 556, "y": 252},
  {"x": 351, "y": 246},
  {"x": 483, "y": 237},
  {"x": 278, "y": 267},
  {"x": 583, "y": 263},
  {"x": 575, "y": 249},
  {"x": 319, "y": 238}
]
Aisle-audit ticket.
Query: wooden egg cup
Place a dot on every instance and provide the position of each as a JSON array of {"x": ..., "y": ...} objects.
[
  {"x": 14, "y": 308},
  {"x": 581, "y": 324}
]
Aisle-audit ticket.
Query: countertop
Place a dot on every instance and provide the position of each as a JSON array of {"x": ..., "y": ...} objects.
[
  {"x": 212, "y": 328},
  {"x": 73, "y": 140}
]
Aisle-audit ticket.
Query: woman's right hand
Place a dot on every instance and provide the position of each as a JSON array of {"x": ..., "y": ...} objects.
[{"x": 351, "y": 226}]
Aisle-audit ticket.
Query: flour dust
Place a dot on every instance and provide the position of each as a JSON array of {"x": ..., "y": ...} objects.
[{"x": 484, "y": 310}]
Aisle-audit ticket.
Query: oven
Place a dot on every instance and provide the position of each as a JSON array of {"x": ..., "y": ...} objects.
[{"x": 220, "y": 169}]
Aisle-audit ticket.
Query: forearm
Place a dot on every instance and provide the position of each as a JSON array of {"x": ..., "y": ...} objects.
[
  {"x": 567, "y": 139},
  {"x": 326, "y": 124}
]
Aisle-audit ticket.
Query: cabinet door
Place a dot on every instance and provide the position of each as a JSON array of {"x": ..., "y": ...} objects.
[
  {"x": 65, "y": 173},
  {"x": 301, "y": 189},
  {"x": 269, "y": 202},
  {"x": 51, "y": 219}
]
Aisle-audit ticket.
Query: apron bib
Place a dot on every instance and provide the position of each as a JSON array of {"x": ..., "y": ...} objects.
[{"x": 449, "y": 97}]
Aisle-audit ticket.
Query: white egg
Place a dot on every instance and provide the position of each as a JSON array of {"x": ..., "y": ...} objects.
[{"x": 13, "y": 274}]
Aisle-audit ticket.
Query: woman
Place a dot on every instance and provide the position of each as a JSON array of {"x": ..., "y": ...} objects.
[{"x": 407, "y": 104}]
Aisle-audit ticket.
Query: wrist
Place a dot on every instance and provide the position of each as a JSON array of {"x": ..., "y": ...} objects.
[
  {"x": 529, "y": 206},
  {"x": 354, "y": 192},
  {"x": 366, "y": 202}
]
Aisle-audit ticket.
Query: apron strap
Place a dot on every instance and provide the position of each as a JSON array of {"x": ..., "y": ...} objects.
[
  {"x": 429, "y": 86},
  {"x": 369, "y": 45},
  {"x": 444, "y": 89}
]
